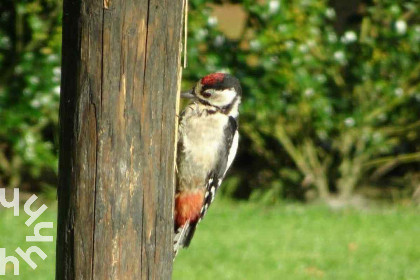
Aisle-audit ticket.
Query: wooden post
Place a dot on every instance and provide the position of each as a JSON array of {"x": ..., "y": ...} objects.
[{"x": 120, "y": 85}]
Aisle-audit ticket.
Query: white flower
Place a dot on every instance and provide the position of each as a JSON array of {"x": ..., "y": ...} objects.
[
  {"x": 289, "y": 44},
  {"x": 332, "y": 38},
  {"x": 201, "y": 33},
  {"x": 321, "y": 78},
  {"x": 349, "y": 122},
  {"x": 273, "y": 6},
  {"x": 315, "y": 31},
  {"x": 328, "y": 109},
  {"x": 27, "y": 91},
  {"x": 322, "y": 134},
  {"x": 57, "y": 71},
  {"x": 296, "y": 61},
  {"x": 401, "y": 26},
  {"x": 382, "y": 117},
  {"x": 309, "y": 92},
  {"x": 30, "y": 153},
  {"x": 29, "y": 139},
  {"x": 35, "y": 103},
  {"x": 219, "y": 40},
  {"x": 212, "y": 21},
  {"x": 395, "y": 9},
  {"x": 377, "y": 136},
  {"x": 311, "y": 43},
  {"x": 18, "y": 69},
  {"x": 5, "y": 42},
  {"x": 286, "y": 93},
  {"x": 399, "y": 92},
  {"x": 29, "y": 55},
  {"x": 303, "y": 48},
  {"x": 282, "y": 28},
  {"x": 45, "y": 99},
  {"x": 52, "y": 58},
  {"x": 34, "y": 80},
  {"x": 56, "y": 90},
  {"x": 349, "y": 37},
  {"x": 330, "y": 13},
  {"x": 255, "y": 45},
  {"x": 340, "y": 56}
]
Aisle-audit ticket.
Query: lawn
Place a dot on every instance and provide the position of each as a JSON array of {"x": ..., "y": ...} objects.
[
  {"x": 13, "y": 232},
  {"x": 290, "y": 241}
]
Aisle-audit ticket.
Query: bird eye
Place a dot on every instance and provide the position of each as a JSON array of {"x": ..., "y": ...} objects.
[{"x": 206, "y": 94}]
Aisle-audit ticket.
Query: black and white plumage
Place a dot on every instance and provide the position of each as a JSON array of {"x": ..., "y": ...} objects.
[{"x": 208, "y": 140}]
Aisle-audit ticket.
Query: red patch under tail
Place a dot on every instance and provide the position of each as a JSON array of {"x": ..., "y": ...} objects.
[{"x": 188, "y": 206}]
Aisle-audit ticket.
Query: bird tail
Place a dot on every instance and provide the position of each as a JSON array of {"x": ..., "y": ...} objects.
[{"x": 183, "y": 236}]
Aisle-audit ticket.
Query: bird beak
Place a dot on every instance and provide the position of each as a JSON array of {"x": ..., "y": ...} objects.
[{"x": 188, "y": 94}]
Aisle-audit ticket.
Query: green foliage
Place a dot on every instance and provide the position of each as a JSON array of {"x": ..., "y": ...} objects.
[
  {"x": 30, "y": 43},
  {"x": 320, "y": 109}
]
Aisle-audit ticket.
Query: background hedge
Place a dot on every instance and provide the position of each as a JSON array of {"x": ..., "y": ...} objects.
[{"x": 331, "y": 101}]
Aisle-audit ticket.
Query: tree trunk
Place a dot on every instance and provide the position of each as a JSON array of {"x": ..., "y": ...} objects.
[{"x": 119, "y": 101}]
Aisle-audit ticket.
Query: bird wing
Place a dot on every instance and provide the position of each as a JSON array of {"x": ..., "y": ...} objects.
[{"x": 226, "y": 155}]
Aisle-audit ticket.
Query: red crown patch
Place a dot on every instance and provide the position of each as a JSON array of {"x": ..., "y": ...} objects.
[{"x": 212, "y": 79}]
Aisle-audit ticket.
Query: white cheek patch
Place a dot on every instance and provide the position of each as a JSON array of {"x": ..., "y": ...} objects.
[
  {"x": 234, "y": 111},
  {"x": 223, "y": 98}
]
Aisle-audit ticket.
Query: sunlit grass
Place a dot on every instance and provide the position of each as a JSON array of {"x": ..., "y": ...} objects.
[
  {"x": 13, "y": 232},
  {"x": 245, "y": 241},
  {"x": 291, "y": 241}
]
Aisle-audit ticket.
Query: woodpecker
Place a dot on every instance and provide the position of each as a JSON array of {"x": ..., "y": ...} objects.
[{"x": 207, "y": 143}]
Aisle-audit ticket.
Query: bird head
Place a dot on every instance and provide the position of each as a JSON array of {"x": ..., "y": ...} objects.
[{"x": 218, "y": 90}]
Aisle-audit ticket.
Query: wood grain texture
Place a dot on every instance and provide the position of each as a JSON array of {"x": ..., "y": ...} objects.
[{"x": 120, "y": 86}]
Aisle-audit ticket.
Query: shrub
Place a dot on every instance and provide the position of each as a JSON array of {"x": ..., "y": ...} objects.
[
  {"x": 30, "y": 41},
  {"x": 321, "y": 109}
]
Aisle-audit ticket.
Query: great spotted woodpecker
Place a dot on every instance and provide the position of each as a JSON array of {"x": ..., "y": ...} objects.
[{"x": 207, "y": 144}]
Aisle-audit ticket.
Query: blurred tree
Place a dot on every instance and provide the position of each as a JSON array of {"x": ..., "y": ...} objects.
[
  {"x": 30, "y": 39},
  {"x": 331, "y": 92},
  {"x": 321, "y": 108}
]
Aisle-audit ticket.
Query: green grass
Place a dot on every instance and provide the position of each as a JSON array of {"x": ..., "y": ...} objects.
[
  {"x": 13, "y": 232},
  {"x": 245, "y": 241},
  {"x": 291, "y": 241}
]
